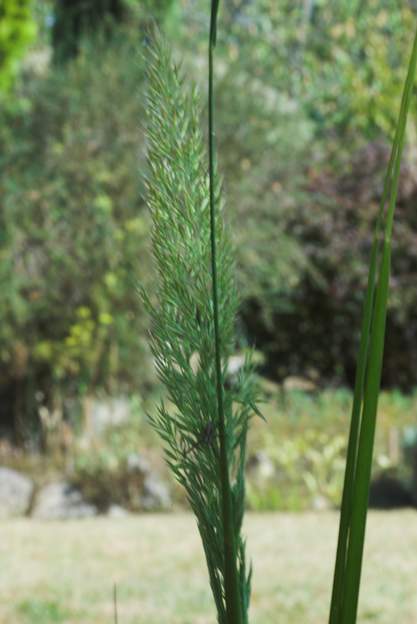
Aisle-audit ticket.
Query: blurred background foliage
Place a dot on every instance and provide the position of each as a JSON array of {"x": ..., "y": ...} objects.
[
  {"x": 17, "y": 31},
  {"x": 307, "y": 95}
]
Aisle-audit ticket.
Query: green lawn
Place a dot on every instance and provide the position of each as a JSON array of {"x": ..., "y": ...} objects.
[{"x": 64, "y": 572}]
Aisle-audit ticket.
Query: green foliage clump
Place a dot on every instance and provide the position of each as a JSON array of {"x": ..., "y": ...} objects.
[
  {"x": 341, "y": 61},
  {"x": 296, "y": 460},
  {"x": 357, "y": 54},
  {"x": 17, "y": 31},
  {"x": 39, "y": 611},
  {"x": 72, "y": 231},
  {"x": 332, "y": 228}
]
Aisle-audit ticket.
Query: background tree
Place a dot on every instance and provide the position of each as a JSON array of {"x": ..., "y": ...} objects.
[{"x": 74, "y": 19}]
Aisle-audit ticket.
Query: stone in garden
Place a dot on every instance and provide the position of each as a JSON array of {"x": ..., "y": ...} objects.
[
  {"x": 155, "y": 495},
  {"x": 137, "y": 463},
  {"x": 261, "y": 465},
  {"x": 116, "y": 511},
  {"x": 299, "y": 384},
  {"x": 269, "y": 388},
  {"x": 16, "y": 492},
  {"x": 235, "y": 364},
  {"x": 61, "y": 501},
  {"x": 108, "y": 413},
  {"x": 320, "y": 503}
]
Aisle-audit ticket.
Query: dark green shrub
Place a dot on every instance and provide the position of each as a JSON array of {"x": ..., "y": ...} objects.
[
  {"x": 75, "y": 20},
  {"x": 309, "y": 329}
]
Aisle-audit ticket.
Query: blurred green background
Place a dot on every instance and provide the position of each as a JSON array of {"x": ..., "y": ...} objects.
[{"x": 307, "y": 96}]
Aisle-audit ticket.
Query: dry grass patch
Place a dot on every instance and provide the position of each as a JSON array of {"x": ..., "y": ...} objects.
[{"x": 64, "y": 572}]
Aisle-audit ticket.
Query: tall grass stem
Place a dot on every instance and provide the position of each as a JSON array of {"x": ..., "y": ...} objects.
[
  {"x": 352, "y": 528},
  {"x": 232, "y": 598}
]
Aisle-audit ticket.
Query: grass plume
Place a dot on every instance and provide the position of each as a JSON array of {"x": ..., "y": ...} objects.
[{"x": 204, "y": 422}]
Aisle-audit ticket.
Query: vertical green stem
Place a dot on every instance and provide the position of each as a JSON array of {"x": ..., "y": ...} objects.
[
  {"x": 116, "y": 617},
  {"x": 232, "y": 588},
  {"x": 347, "y": 498},
  {"x": 361, "y": 440},
  {"x": 367, "y": 434}
]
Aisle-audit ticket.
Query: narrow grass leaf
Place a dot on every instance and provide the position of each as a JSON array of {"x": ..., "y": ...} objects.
[
  {"x": 347, "y": 498},
  {"x": 115, "y": 607},
  {"x": 233, "y": 599},
  {"x": 367, "y": 384}
]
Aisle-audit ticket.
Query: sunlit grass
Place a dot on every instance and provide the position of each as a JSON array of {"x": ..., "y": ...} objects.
[{"x": 67, "y": 570}]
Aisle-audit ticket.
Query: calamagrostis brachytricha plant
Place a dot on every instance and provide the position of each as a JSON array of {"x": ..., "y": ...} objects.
[
  {"x": 205, "y": 424},
  {"x": 205, "y": 421}
]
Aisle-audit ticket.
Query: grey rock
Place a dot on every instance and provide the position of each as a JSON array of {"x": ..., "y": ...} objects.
[
  {"x": 137, "y": 463},
  {"x": 299, "y": 384},
  {"x": 260, "y": 465},
  {"x": 16, "y": 492},
  {"x": 155, "y": 495},
  {"x": 320, "y": 503},
  {"x": 115, "y": 511},
  {"x": 235, "y": 364},
  {"x": 108, "y": 413},
  {"x": 61, "y": 501}
]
